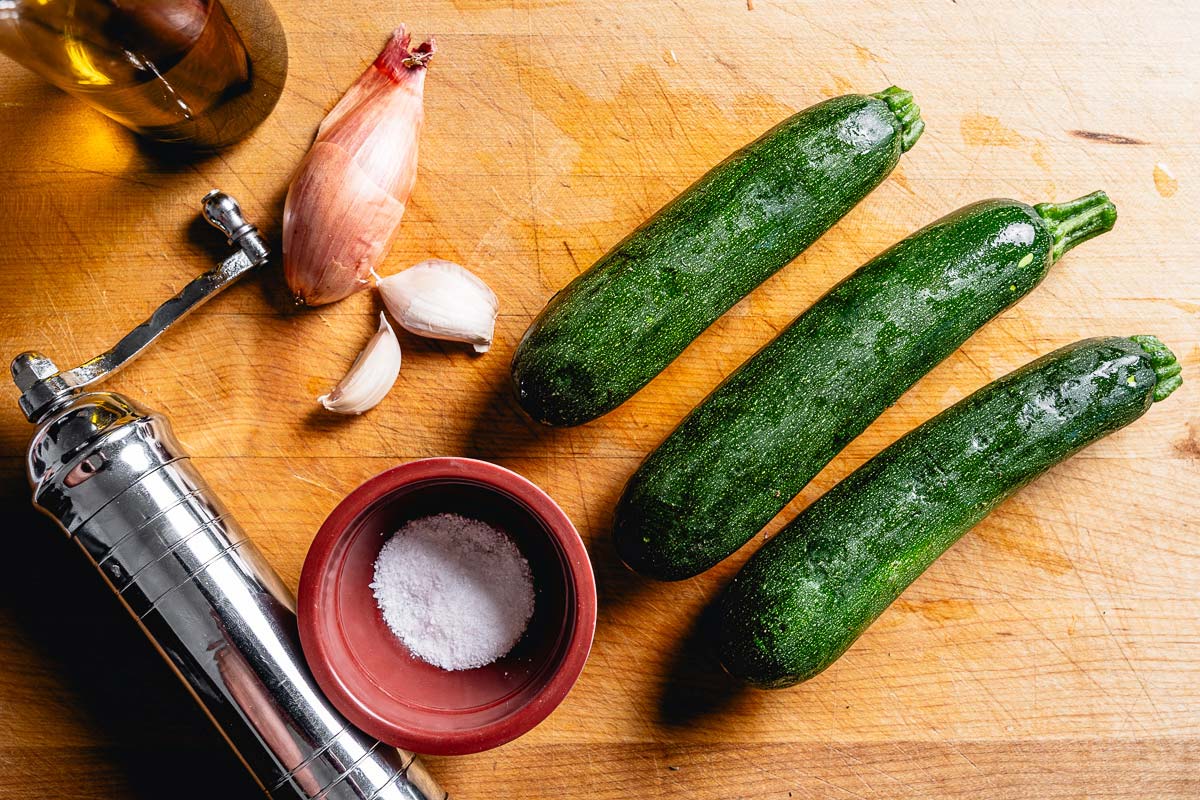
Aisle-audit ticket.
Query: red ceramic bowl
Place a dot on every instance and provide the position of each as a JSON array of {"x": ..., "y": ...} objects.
[{"x": 371, "y": 677}]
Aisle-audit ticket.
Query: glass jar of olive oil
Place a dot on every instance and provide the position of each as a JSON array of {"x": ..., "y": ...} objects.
[{"x": 198, "y": 73}]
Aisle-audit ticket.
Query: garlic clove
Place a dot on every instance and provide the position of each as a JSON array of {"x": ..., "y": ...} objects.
[
  {"x": 442, "y": 300},
  {"x": 371, "y": 375}
]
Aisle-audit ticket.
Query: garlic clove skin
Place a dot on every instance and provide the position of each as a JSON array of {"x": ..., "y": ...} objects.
[
  {"x": 442, "y": 300},
  {"x": 371, "y": 375}
]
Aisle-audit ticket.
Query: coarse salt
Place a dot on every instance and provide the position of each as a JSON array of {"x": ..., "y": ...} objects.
[{"x": 456, "y": 591}]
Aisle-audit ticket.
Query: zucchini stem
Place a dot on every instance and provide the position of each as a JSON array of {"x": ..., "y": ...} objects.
[
  {"x": 1166, "y": 368},
  {"x": 901, "y": 103},
  {"x": 1077, "y": 220}
]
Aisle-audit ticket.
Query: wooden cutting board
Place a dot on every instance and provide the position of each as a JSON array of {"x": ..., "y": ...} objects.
[{"x": 1054, "y": 652}]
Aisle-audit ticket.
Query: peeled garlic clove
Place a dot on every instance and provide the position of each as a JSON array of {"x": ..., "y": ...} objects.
[
  {"x": 442, "y": 300},
  {"x": 370, "y": 377}
]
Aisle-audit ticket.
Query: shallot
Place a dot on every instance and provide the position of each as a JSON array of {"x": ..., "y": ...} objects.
[{"x": 348, "y": 195}]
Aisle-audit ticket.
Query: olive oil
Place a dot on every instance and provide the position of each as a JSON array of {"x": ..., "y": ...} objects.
[{"x": 201, "y": 73}]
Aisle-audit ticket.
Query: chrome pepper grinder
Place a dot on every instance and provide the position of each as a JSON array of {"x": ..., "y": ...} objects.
[{"x": 112, "y": 474}]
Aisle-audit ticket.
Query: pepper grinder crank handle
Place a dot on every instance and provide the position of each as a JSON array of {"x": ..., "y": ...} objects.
[
  {"x": 41, "y": 383},
  {"x": 113, "y": 475}
]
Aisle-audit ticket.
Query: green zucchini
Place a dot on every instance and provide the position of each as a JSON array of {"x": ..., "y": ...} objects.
[
  {"x": 620, "y": 323},
  {"x": 762, "y": 435},
  {"x": 804, "y": 598}
]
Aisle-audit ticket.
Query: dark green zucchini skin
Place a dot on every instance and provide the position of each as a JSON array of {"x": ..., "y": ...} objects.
[
  {"x": 804, "y": 598},
  {"x": 763, "y": 434},
  {"x": 621, "y": 322}
]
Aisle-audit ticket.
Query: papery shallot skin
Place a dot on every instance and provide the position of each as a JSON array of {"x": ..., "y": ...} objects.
[{"x": 348, "y": 195}]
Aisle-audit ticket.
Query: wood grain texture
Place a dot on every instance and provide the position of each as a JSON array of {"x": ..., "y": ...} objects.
[{"x": 1054, "y": 652}]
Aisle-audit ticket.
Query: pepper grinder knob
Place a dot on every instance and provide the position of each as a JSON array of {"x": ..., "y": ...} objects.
[{"x": 223, "y": 213}]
